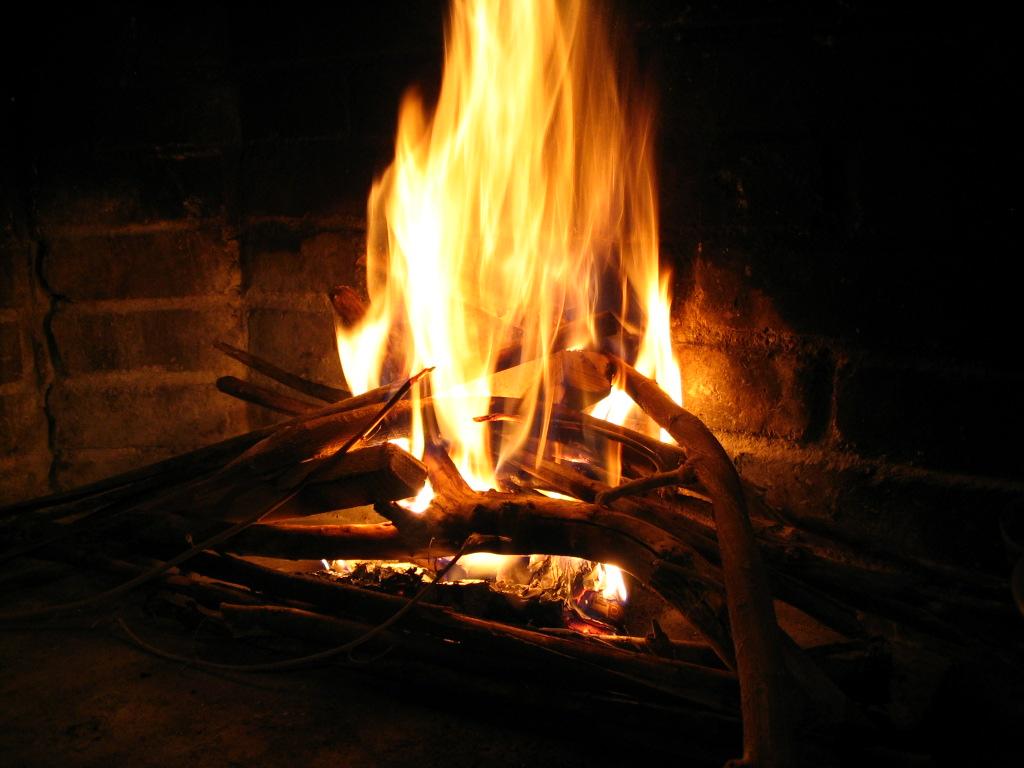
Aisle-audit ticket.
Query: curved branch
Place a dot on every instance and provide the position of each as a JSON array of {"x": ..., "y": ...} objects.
[{"x": 767, "y": 726}]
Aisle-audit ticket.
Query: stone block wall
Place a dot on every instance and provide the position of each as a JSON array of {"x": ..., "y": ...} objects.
[{"x": 838, "y": 209}]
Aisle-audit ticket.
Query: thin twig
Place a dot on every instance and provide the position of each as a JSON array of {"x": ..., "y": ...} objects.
[
  {"x": 312, "y": 658},
  {"x": 263, "y": 397},
  {"x": 681, "y": 475},
  {"x": 292, "y": 381}
]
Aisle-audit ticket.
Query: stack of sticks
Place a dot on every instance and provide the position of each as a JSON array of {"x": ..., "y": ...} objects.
[{"x": 681, "y": 522}]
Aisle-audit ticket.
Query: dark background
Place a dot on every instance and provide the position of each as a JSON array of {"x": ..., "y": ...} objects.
[
  {"x": 840, "y": 203},
  {"x": 840, "y": 206}
]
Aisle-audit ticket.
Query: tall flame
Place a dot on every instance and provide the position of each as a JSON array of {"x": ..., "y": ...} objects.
[{"x": 525, "y": 198}]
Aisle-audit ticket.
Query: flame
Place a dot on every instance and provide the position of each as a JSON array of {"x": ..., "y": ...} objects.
[
  {"x": 610, "y": 582},
  {"x": 524, "y": 199}
]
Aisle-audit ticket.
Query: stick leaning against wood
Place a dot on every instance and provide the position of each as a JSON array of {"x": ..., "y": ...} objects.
[{"x": 767, "y": 726}]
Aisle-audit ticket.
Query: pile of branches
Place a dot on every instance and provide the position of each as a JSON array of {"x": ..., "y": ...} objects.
[{"x": 681, "y": 523}]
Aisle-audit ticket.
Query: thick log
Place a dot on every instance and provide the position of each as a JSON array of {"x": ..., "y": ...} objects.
[
  {"x": 312, "y": 388},
  {"x": 303, "y": 454},
  {"x": 379, "y": 473}
]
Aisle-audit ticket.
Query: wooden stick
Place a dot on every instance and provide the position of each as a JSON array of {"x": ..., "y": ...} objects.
[
  {"x": 253, "y": 393},
  {"x": 553, "y": 526},
  {"x": 678, "y": 476},
  {"x": 188, "y": 465},
  {"x": 225, "y": 535},
  {"x": 711, "y": 687},
  {"x": 831, "y": 583},
  {"x": 314, "y": 389},
  {"x": 767, "y": 721},
  {"x": 372, "y": 541},
  {"x": 522, "y": 649},
  {"x": 144, "y": 479}
]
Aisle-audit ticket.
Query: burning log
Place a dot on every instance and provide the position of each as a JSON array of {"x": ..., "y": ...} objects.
[
  {"x": 558, "y": 527},
  {"x": 438, "y": 634}
]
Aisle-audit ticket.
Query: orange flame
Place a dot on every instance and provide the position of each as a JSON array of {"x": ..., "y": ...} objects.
[{"x": 524, "y": 198}]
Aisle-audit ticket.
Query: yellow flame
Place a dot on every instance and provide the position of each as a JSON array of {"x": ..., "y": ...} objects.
[
  {"x": 524, "y": 199},
  {"x": 610, "y": 582},
  {"x": 505, "y": 211}
]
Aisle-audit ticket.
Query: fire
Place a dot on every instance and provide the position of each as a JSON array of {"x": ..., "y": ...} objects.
[{"x": 523, "y": 199}]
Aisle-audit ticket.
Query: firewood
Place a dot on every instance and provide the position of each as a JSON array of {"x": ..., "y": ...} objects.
[
  {"x": 765, "y": 702},
  {"x": 553, "y": 526},
  {"x": 372, "y": 475},
  {"x": 692, "y": 651},
  {"x": 519, "y": 649},
  {"x": 571, "y": 380},
  {"x": 314, "y": 389},
  {"x": 143, "y": 479},
  {"x": 274, "y": 503},
  {"x": 677, "y": 519},
  {"x": 292, "y": 541},
  {"x": 672, "y": 477},
  {"x": 840, "y": 587},
  {"x": 319, "y": 433},
  {"x": 302, "y": 456},
  {"x": 185, "y": 466},
  {"x": 441, "y": 637},
  {"x": 711, "y": 687},
  {"x": 253, "y": 393},
  {"x": 686, "y": 520}
]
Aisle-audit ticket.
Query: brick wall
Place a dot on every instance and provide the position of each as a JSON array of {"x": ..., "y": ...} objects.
[{"x": 838, "y": 207}]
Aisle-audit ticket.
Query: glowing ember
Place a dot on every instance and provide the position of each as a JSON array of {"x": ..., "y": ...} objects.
[{"x": 524, "y": 199}]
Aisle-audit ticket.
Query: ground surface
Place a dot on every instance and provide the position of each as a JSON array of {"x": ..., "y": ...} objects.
[{"x": 75, "y": 696}]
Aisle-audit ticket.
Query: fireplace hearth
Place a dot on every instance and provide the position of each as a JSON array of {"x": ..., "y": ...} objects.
[{"x": 184, "y": 200}]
